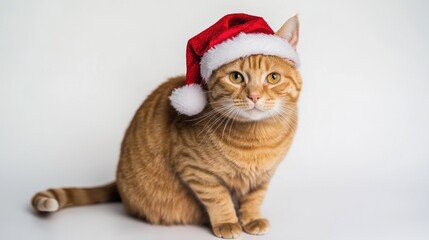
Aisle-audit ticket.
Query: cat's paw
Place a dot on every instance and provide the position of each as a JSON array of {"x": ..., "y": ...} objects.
[
  {"x": 227, "y": 230},
  {"x": 257, "y": 227},
  {"x": 44, "y": 204}
]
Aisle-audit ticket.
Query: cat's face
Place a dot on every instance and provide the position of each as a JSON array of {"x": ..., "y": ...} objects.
[{"x": 255, "y": 88}]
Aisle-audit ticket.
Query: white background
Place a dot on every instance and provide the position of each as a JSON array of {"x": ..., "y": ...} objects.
[{"x": 72, "y": 74}]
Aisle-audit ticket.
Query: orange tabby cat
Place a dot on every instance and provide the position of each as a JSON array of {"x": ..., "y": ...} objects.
[{"x": 213, "y": 167}]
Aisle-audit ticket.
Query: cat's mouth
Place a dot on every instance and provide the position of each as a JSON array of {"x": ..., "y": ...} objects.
[
  {"x": 256, "y": 109},
  {"x": 253, "y": 113},
  {"x": 249, "y": 112}
]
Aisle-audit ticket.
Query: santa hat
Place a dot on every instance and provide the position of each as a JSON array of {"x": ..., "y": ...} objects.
[{"x": 232, "y": 37}]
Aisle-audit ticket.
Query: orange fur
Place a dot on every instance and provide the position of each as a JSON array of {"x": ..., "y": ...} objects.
[{"x": 175, "y": 169}]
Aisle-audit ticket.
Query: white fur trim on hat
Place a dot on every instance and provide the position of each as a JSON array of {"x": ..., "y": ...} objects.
[
  {"x": 245, "y": 45},
  {"x": 189, "y": 99}
]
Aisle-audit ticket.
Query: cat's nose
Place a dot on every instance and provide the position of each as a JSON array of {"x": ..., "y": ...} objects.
[{"x": 254, "y": 97}]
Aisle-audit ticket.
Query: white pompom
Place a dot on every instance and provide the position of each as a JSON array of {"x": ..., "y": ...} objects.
[{"x": 189, "y": 99}]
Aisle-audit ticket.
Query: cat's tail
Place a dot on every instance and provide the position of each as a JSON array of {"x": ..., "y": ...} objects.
[{"x": 53, "y": 200}]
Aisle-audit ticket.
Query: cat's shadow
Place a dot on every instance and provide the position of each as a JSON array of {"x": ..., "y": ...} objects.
[
  {"x": 31, "y": 211},
  {"x": 115, "y": 208}
]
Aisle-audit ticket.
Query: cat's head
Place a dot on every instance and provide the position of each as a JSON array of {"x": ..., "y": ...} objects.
[
  {"x": 257, "y": 87},
  {"x": 248, "y": 71}
]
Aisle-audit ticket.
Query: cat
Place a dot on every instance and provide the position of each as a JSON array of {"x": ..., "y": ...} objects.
[{"x": 211, "y": 168}]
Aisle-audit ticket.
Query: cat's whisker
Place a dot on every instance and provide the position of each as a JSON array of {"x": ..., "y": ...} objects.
[
  {"x": 210, "y": 124},
  {"x": 289, "y": 112},
  {"x": 225, "y": 116},
  {"x": 287, "y": 123},
  {"x": 288, "y": 117},
  {"x": 204, "y": 116},
  {"x": 220, "y": 124},
  {"x": 220, "y": 109},
  {"x": 289, "y": 106},
  {"x": 208, "y": 114},
  {"x": 212, "y": 103},
  {"x": 277, "y": 117},
  {"x": 222, "y": 100},
  {"x": 274, "y": 115},
  {"x": 234, "y": 121},
  {"x": 209, "y": 128},
  {"x": 288, "y": 103},
  {"x": 229, "y": 118},
  {"x": 290, "y": 120}
]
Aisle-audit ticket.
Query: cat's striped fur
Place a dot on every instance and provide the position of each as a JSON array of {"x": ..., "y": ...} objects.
[{"x": 211, "y": 168}]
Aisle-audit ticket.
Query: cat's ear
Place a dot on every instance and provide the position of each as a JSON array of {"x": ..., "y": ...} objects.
[{"x": 290, "y": 31}]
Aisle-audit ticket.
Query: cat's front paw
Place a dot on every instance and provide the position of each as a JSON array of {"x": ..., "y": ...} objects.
[
  {"x": 257, "y": 227},
  {"x": 227, "y": 230}
]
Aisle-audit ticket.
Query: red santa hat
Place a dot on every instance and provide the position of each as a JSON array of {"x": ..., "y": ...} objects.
[{"x": 232, "y": 37}]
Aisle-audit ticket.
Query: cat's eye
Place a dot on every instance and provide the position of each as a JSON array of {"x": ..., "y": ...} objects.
[
  {"x": 236, "y": 77},
  {"x": 273, "y": 78}
]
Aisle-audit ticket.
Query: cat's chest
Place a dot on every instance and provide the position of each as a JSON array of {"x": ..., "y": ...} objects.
[
  {"x": 240, "y": 182},
  {"x": 251, "y": 167},
  {"x": 254, "y": 159},
  {"x": 256, "y": 152}
]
